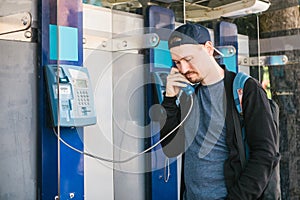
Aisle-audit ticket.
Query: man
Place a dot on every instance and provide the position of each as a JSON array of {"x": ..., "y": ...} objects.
[{"x": 211, "y": 166}]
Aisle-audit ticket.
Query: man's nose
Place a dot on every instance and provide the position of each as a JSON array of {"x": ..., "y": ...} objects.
[{"x": 185, "y": 66}]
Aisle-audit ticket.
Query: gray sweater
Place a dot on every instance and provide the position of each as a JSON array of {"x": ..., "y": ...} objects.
[{"x": 260, "y": 131}]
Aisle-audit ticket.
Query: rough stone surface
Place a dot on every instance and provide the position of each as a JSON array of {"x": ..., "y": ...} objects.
[
  {"x": 278, "y": 20},
  {"x": 283, "y": 19},
  {"x": 281, "y": 4},
  {"x": 285, "y": 86}
]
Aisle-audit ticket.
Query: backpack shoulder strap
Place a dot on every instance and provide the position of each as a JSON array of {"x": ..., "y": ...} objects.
[{"x": 238, "y": 86}]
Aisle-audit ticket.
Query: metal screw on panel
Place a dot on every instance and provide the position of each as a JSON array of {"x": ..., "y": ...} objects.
[
  {"x": 56, "y": 198},
  {"x": 28, "y": 34},
  {"x": 24, "y": 20},
  {"x": 104, "y": 44},
  {"x": 153, "y": 39},
  {"x": 72, "y": 195},
  {"x": 284, "y": 59},
  {"x": 124, "y": 43}
]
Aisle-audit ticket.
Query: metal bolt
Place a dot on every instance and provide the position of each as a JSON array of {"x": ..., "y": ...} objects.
[
  {"x": 104, "y": 44},
  {"x": 284, "y": 59},
  {"x": 153, "y": 39},
  {"x": 28, "y": 34},
  {"x": 72, "y": 195},
  {"x": 124, "y": 43},
  {"x": 56, "y": 198},
  {"x": 24, "y": 20}
]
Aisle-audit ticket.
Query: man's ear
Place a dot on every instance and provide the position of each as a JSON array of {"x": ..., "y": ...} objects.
[{"x": 209, "y": 46}]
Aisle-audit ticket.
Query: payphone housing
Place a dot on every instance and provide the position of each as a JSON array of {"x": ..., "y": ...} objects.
[{"x": 76, "y": 100}]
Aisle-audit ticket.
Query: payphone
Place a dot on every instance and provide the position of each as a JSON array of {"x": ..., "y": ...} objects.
[{"x": 76, "y": 100}]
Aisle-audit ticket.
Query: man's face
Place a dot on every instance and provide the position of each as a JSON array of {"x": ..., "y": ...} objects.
[{"x": 191, "y": 61}]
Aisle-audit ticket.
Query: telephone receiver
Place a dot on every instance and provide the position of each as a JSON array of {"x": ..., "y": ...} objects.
[{"x": 189, "y": 89}]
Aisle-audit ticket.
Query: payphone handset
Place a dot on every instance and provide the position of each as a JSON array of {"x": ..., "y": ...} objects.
[{"x": 76, "y": 106}]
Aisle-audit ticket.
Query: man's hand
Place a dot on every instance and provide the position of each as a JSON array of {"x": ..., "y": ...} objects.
[{"x": 175, "y": 81}]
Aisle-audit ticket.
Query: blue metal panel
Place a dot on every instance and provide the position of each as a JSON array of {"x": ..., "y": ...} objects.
[
  {"x": 72, "y": 165},
  {"x": 161, "y": 21},
  {"x": 226, "y": 34},
  {"x": 71, "y": 174}
]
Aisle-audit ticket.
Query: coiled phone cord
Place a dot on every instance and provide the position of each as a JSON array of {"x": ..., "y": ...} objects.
[{"x": 134, "y": 156}]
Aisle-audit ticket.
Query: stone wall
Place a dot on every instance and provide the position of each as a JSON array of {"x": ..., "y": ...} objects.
[
  {"x": 282, "y": 19},
  {"x": 285, "y": 87},
  {"x": 277, "y": 20}
]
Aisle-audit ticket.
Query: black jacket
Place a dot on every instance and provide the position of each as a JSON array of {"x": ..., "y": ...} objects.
[{"x": 241, "y": 184}]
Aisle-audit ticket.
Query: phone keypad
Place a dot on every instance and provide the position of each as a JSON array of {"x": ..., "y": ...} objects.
[{"x": 83, "y": 98}]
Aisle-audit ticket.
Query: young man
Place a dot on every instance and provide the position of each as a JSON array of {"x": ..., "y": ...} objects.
[{"x": 211, "y": 166}]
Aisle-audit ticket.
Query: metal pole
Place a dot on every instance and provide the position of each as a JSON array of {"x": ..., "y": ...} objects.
[
  {"x": 258, "y": 48},
  {"x": 58, "y": 101}
]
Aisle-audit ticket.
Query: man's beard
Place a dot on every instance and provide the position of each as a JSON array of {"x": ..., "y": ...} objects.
[{"x": 193, "y": 79}]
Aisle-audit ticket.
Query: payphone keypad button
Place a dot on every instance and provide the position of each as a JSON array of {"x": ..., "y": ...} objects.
[{"x": 83, "y": 98}]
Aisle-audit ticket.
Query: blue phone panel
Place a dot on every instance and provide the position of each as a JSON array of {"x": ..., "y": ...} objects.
[
  {"x": 67, "y": 48},
  {"x": 161, "y": 21},
  {"x": 67, "y": 14},
  {"x": 161, "y": 56},
  {"x": 226, "y": 34}
]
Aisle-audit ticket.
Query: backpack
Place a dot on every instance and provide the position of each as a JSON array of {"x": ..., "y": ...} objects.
[{"x": 272, "y": 191}]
